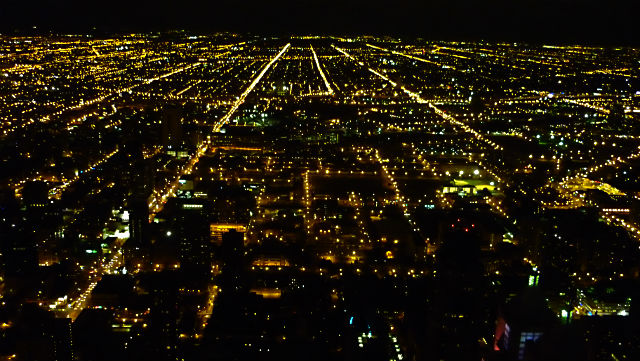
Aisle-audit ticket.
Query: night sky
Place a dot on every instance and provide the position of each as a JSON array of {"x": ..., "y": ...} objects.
[{"x": 594, "y": 22}]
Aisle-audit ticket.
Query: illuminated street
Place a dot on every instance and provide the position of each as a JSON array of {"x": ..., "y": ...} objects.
[{"x": 187, "y": 196}]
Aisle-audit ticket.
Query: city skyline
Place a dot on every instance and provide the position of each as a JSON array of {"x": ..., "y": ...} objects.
[{"x": 184, "y": 195}]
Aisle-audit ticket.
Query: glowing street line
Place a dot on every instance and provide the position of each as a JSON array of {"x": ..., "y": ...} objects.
[
  {"x": 56, "y": 192},
  {"x": 220, "y": 123},
  {"x": 187, "y": 88},
  {"x": 326, "y": 82},
  {"x": 160, "y": 198},
  {"x": 586, "y": 105},
  {"x": 344, "y": 53},
  {"x": 421, "y": 100},
  {"x": 149, "y": 81},
  {"x": 407, "y": 55},
  {"x": 371, "y": 70},
  {"x": 389, "y": 80}
]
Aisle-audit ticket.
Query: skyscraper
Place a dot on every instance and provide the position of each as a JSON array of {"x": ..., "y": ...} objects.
[{"x": 172, "y": 137}]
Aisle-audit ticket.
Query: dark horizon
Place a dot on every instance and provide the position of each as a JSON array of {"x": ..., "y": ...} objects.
[{"x": 563, "y": 22}]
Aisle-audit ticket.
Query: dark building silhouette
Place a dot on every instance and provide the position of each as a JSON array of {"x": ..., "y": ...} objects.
[
  {"x": 522, "y": 324},
  {"x": 63, "y": 339},
  {"x": 172, "y": 135},
  {"x": 163, "y": 289},
  {"x": 138, "y": 220},
  {"x": 35, "y": 195},
  {"x": 192, "y": 234}
]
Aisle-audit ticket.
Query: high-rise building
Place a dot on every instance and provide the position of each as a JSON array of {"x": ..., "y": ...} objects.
[
  {"x": 138, "y": 220},
  {"x": 193, "y": 235},
  {"x": 172, "y": 137},
  {"x": 163, "y": 289},
  {"x": 63, "y": 339}
]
